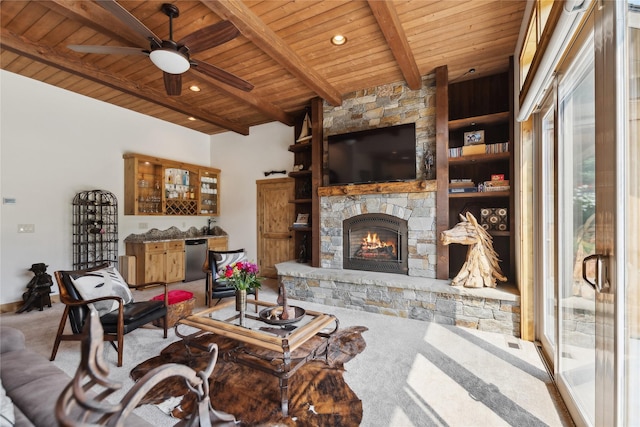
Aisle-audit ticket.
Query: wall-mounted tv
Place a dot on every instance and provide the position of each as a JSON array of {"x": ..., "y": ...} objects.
[{"x": 374, "y": 155}]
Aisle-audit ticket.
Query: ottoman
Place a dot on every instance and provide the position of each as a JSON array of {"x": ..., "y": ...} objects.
[{"x": 181, "y": 304}]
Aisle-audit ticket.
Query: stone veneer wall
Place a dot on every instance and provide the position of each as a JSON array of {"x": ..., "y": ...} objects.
[
  {"x": 383, "y": 106},
  {"x": 389, "y": 105},
  {"x": 418, "y": 209}
]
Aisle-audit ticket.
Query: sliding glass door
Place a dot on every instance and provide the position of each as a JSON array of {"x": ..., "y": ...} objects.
[
  {"x": 546, "y": 228},
  {"x": 589, "y": 201},
  {"x": 630, "y": 297},
  {"x": 576, "y": 371}
]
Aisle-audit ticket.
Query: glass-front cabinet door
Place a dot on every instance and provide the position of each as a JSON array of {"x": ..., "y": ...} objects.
[
  {"x": 209, "y": 197},
  {"x": 155, "y": 186}
]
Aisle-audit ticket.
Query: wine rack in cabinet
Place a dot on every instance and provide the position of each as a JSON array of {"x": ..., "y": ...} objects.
[{"x": 155, "y": 186}]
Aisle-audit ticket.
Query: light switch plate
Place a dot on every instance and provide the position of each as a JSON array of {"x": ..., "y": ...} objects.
[{"x": 26, "y": 228}]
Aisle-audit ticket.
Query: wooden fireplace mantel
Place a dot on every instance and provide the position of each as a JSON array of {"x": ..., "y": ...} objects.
[{"x": 379, "y": 188}]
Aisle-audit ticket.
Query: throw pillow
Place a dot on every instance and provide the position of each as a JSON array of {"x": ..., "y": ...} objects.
[
  {"x": 93, "y": 285},
  {"x": 101, "y": 283},
  {"x": 7, "y": 414},
  {"x": 223, "y": 259},
  {"x": 120, "y": 287}
]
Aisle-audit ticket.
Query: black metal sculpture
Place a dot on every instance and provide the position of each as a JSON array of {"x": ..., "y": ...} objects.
[
  {"x": 302, "y": 256},
  {"x": 38, "y": 289}
]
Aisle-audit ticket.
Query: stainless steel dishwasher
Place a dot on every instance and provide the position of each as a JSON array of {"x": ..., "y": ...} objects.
[{"x": 195, "y": 253}]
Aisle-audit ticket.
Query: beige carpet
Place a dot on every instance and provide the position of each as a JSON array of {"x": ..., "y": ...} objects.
[{"x": 412, "y": 373}]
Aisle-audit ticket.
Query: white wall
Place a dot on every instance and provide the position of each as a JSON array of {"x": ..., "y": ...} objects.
[
  {"x": 243, "y": 160},
  {"x": 55, "y": 143}
]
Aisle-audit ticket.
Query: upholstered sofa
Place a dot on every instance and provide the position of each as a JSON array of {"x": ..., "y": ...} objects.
[
  {"x": 33, "y": 383},
  {"x": 30, "y": 380}
]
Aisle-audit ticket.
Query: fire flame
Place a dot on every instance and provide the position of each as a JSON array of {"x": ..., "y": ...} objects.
[{"x": 372, "y": 241}]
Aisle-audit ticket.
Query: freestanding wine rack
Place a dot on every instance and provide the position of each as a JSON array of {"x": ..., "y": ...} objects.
[{"x": 95, "y": 229}]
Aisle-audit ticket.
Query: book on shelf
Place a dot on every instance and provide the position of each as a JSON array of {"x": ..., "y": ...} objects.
[
  {"x": 500, "y": 147},
  {"x": 455, "y": 152},
  {"x": 302, "y": 220},
  {"x": 469, "y": 150},
  {"x": 461, "y": 184},
  {"x": 497, "y": 185},
  {"x": 504, "y": 188},
  {"x": 463, "y": 190}
]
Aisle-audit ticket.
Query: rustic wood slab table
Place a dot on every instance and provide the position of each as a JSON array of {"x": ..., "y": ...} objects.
[{"x": 279, "y": 350}]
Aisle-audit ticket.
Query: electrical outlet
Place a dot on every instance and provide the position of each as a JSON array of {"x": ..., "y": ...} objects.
[
  {"x": 26, "y": 228},
  {"x": 143, "y": 225}
]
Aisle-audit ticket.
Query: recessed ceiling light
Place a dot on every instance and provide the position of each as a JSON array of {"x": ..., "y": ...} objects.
[
  {"x": 193, "y": 119},
  {"x": 194, "y": 88},
  {"x": 338, "y": 40}
]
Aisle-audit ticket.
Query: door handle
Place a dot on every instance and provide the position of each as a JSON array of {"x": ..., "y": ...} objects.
[{"x": 601, "y": 283}]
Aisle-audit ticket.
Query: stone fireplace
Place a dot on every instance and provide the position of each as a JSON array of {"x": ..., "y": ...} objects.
[
  {"x": 393, "y": 207},
  {"x": 375, "y": 242},
  {"x": 413, "y": 290}
]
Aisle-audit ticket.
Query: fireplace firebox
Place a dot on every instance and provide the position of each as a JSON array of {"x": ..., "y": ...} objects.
[{"x": 375, "y": 242}]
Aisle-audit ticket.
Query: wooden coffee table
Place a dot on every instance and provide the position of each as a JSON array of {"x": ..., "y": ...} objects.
[{"x": 279, "y": 350}]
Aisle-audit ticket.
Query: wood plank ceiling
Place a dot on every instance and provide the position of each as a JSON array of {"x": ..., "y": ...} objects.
[{"x": 283, "y": 49}]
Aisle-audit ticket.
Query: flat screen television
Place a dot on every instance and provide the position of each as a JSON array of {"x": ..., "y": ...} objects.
[{"x": 374, "y": 155}]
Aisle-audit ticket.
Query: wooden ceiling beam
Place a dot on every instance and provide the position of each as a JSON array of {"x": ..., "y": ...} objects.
[
  {"x": 390, "y": 25},
  {"x": 265, "y": 107},
  {"x": 252, "y": 27},
  {"x": 54, "y": 58},
  {"x": 102, "y": 21},
  {"x": 98, "y": 19}
]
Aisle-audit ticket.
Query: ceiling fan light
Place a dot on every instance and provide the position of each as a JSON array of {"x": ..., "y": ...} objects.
[{"x": 169, "y": 61}]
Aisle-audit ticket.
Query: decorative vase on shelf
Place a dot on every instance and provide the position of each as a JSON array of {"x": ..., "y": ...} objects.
[{"x": 241, "y": 304}]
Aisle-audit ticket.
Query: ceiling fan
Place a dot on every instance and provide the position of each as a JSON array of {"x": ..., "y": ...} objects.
[{"x": 172, "y": 57}]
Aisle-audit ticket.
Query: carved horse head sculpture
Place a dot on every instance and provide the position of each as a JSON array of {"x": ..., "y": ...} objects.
[{"x": 481, "y": 267}]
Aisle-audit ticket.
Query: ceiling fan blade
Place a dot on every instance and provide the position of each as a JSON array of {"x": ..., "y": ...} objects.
[
  {"x": 129, "y": 20},
  {"x": 210, "y": 36},
  {"x": 116, "y": 50},
  {"x": 221, "y": 75},
  {"x": 173, "y": 83}
]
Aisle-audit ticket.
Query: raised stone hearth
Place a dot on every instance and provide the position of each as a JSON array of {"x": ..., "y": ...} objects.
[{"x": 487, "y": 309}]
